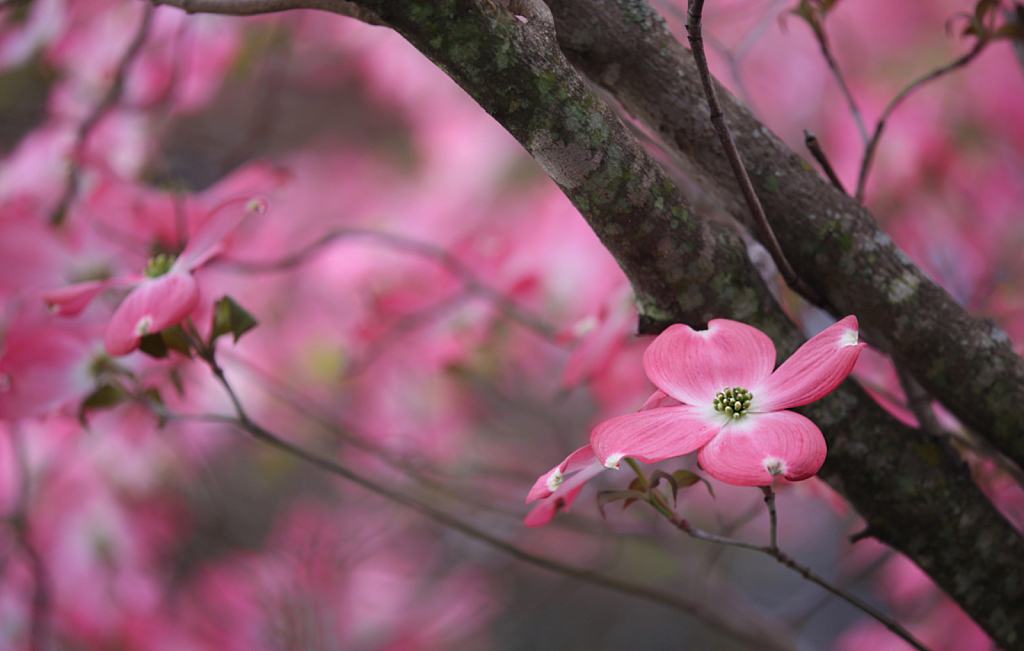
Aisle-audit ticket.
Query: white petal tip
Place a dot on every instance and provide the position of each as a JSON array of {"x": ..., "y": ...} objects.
[
  {"x": 776, "y": 467},
  {"x": 143, "y": 326},
  {"x": 849, "y": 338},
  {"x": 555, "y": 480},
  {"x": 613, "y": 460}
]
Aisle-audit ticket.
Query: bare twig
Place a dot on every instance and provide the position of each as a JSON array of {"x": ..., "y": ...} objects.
[
  {"x": 660, "y": 503},
  {"x": 819, "y": 32},
  {"x": 869, "y": 152},
  {"x": 785, "y": 559},
  {"x": 693, "y": 29},
  {"x": 819, "y": 155},
  {"x": 760, "y": 639},
  {"x": 112, "y": 96},
  {"x": 39, "y": 625},
  {"x": 445, "y": 259}
]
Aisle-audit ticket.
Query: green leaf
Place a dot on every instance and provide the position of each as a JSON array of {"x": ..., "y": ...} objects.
[
  {"x": 656, "y": 478},
  {"x": 104, "y": 397},
  {"x": 176, "y": 339},
  {"x": 154, "y": 346},
  {"x": 229, "y": 316},
  {"x": 636, "y": 485},
  {"x": 606, "y": 497},
  {"x": 153, "y": 395},
  {"x": 983, "y": 7},
  {"x": 179, "y": 385},
  {"x": 685, "y": 478},
  {"x": 1009, "y": 30}
]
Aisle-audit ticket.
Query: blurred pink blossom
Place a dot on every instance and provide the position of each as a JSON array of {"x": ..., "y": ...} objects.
[{"x": 167, "y": 293}]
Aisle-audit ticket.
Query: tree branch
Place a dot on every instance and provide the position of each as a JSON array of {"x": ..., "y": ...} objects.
[{"x": 832, "y": 242}]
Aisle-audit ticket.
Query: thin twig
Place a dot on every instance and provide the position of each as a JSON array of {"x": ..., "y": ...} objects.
[
  {"x": 869, "y": 152},
  {"x": 732, "y": 154},
  {"x": 826, "y": 51},
  {"x": 39, "y": 624},
  {"x": 757, "y": 639},
  {"x": 785, "y": 559},
  {"x": 822, "y": 600},
  {"x": 112, "y": 96},
  {"x": 660, "y": 504},
  {"x": 431, "y": 252},
  {"x": 819, "y": 155}
]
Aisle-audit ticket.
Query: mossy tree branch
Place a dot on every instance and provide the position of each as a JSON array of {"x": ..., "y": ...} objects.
[
  {"x": 831, "y": 240},
  {"x": 915, "y": 493}
]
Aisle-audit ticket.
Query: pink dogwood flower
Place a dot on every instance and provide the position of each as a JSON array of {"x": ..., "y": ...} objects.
[
  {"x": 167, "y": 292},
  {"x": 558, "y": 493},
  {"x": 718, "y": 394}
]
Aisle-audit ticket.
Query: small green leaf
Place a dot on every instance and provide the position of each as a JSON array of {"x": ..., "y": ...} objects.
[
  {"x": 229, "y": 316},
  {"x": 1009, "y": 30},
  {"x": 179, "y": 385},
  {"x": 606, "y": 497},
  {"x": 656, "y": 478},
  {"x": 983, "y": 7},
  {"x": 176, "y": 339},
  {"x": 636, "y": 485},
  {"x": 153, "y": 395},
  {"x": 105, "y": 396},
  {"x": 685, "y": 478},
  {"x": 154, "y": 346}
]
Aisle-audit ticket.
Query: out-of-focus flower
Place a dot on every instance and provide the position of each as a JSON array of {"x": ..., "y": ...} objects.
[
  {"x": 167, "y": 292},
  {"x": 718, "y": 394},
  {"x": 558, "y": 493}
]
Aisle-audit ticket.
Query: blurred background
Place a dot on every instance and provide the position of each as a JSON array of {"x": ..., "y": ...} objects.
[{"x": 433, "y": 314}]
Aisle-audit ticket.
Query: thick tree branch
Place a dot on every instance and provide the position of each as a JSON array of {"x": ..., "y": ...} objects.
[
  {"x": 915, "y": 494},
  {"x": 832, "y": 242}
]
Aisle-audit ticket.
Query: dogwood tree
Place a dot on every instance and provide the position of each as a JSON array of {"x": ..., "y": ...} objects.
[{"x": 299, "y": 299}]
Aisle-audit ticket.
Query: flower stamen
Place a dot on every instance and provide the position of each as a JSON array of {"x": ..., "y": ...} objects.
[
  {"x": 159, "y": 265},
  {"x": 734, "y": 401}
]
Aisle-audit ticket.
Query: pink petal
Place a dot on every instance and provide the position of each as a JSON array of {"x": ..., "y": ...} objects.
[
  {"x": 562, "y": 499},
  {"x": 814, "y": 371},
  {"x": 550, "y": 481},
  {"x": 206, "y": 241},
  {"x": 659, "y": 399},
  {"x": 745, "y": 449},
  {"x": 71, "y": 300},
  {"x": 152, "y": 306},
  {"x": 657, "y": 434},
  {"x": 693, "y": 365}
]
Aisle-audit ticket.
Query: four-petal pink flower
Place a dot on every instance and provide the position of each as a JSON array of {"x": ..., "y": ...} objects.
[
  {"x": 718, "y": 394},
  {"x": 168, "y": 293}
]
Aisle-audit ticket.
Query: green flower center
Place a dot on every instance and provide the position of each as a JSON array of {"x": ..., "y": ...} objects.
[
  {"x": 733, "y": 401},
  {"x": 159, "y": 265}
]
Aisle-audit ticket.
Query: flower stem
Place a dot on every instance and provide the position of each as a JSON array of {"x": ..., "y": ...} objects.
[{"x": 769, "y": 500}]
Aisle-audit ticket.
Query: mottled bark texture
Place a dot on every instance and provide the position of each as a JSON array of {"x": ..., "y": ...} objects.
[
  {"x": 915, "y": 494},
  {"x": 832, "y": 242}
]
